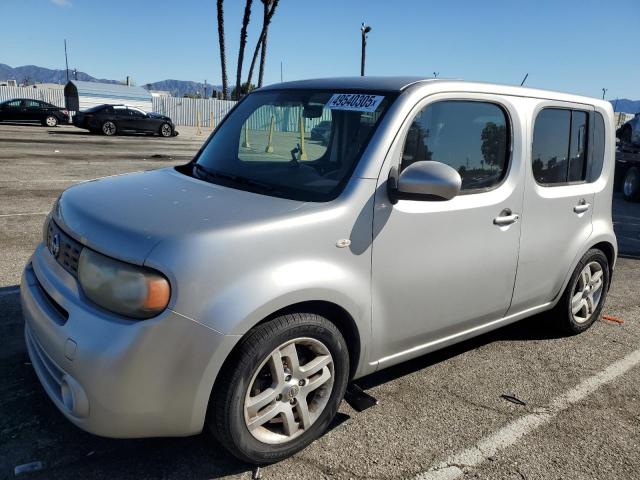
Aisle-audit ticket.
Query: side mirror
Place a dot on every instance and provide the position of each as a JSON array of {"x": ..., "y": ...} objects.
[{"x": 424, "y": 180}]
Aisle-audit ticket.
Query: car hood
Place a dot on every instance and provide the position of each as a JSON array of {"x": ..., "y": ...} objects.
[{"x": 125, "y": 216}]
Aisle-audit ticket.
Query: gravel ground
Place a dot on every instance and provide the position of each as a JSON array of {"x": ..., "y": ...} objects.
[{"x": 428, "y": 408}]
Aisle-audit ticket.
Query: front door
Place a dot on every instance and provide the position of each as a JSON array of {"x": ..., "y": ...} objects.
[
  {"x": 441, "y": 268},
  {"x": 558, "y": 202}
]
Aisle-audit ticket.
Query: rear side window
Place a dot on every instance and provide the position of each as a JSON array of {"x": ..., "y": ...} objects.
[
  {"x": 472, "y": 137},
  {"x": 560, "y": 146},
  {"x": 594, "y": 169}
]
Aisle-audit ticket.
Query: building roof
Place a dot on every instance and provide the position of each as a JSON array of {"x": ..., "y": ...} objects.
[{"x": 108, "y": 90}]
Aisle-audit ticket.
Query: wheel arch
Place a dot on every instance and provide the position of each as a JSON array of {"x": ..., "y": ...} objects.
[{"x": 333, "y": 312}]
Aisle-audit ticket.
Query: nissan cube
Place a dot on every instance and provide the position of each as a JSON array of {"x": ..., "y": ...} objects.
[{"x": 243, "y": 291}]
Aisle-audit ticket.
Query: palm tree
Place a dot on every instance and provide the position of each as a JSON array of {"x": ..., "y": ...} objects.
[
  {"x": 263, "y": 51},
  {"x": 243, "y": 42},
  {"x": 223, "y": 56},
  {"x": 266, "y": 20}
]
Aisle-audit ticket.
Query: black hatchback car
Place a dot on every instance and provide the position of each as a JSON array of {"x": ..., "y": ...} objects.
[
  {"x": 113, "y": 119},
  {"x": 30, "y": 110}
]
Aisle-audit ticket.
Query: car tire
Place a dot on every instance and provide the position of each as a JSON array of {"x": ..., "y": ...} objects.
[
  {"x": 166, "y": 130},
  {"x": 109, "y": 128},
  {"x": 631, "y": 184},
  {"x": 584, "y": 297},
  {"x": 50, "y": 121},
  {"x": 262, "y": 362}
]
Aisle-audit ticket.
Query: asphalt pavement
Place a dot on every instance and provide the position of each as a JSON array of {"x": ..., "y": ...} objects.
[{"x": 443, "y": 415}]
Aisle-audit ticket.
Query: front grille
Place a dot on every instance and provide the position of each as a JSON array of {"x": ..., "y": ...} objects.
[{"x": 64, "y": 248}]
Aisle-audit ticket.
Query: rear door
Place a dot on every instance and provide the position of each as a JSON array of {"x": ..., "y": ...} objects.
[{"x": 558, "y": 201}]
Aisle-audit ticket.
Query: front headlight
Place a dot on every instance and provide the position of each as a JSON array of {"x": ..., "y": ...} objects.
[{"x": 129, "y": 290}]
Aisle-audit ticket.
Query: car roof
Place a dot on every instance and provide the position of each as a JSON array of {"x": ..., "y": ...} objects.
[
  {"x": 385, "y": 84},
  {"x": 402, "y": 83}
]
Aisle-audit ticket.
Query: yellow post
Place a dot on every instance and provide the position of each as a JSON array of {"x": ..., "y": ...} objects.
[
  {"x": 269, "y": 148},
  {"x": 303, "y": 152},
  {"x": 212, "y": 121},
  {"x": 198, "y": 124},
  {"x": 246, "y": 143}
]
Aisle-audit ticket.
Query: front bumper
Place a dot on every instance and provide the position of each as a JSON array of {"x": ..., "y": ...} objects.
[{"x": 112, "y": 376}]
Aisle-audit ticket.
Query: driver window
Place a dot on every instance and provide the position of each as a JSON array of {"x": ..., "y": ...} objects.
[
  {"x": 282, "y": 133},
  {"x": 470, "y": 136}
]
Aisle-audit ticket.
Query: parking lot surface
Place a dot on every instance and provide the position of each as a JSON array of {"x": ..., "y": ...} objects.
[{"x": 439, "y": 416}]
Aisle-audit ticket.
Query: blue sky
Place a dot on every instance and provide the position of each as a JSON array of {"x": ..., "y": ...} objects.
[{"x": 569, "y": 45}]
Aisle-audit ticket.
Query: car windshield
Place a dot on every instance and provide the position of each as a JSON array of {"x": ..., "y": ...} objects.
[{"x": 268, "y": 144}]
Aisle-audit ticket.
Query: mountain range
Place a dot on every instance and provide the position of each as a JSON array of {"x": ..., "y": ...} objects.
[
  {"x": 30, "y": 74},
  {"x": 178, "y": 88}
]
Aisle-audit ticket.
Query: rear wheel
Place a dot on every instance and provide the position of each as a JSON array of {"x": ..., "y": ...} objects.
[
  {"x": 50, "y": 121},
  {"x": 109, "y": 128},
  {"x": 281, "y": 388},
  {"x": 631, "y": 184},
  {"x": 166, "y": 130},
  {"x": 584, "y": 297}
]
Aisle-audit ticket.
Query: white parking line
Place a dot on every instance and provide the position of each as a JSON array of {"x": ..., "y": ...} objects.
[
  {"x": 508, "y": 435},
  {"x": 22, "y": 214}
]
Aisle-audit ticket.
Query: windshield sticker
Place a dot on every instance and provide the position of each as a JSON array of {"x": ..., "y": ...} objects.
[{"x": 357, "y": 102}]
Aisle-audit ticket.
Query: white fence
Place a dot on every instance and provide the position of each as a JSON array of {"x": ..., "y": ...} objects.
[{"x": 190, "y": 111}]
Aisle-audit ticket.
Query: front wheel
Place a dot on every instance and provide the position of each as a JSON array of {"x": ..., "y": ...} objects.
[
  {"x": 50, "y": 121},
  {"x": 109, "y": 128},
  {"x": 281, "y": 388},
  {"x": 631, "y": 184},
  {"x": 166, "y": 130},
  {"x": 584, "y": 297}
]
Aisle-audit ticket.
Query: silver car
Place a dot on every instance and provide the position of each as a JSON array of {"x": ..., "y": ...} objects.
[{"x": 243, "y": 291}]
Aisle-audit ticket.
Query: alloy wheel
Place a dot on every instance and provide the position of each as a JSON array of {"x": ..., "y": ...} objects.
[
  {"x": 165, "y": 130},
  {"x": 587, "y": 292},
  {"x": 51, "y": 121},
  {"x": 289, "y": 391},
  {"x": 109, "y": 128}
]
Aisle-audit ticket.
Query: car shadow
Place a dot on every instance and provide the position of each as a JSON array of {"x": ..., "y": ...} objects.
[
  {"x": 537, "y": 327},
  {"x": 34, "y": 430}
]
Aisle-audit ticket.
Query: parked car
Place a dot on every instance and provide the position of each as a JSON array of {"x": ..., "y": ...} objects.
[
  {"x": 243, "y": 291},
  {"x": 629, "y": 132},
  {"x": 115, "y": 119},
  {"x": 29, "y": 110},
  {"x": 322, "y": 132}
]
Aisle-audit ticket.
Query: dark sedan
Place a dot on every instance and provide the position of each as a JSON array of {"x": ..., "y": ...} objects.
[
  {"x": 29, "y": 110},
  {"x": 113, "y": 119}
]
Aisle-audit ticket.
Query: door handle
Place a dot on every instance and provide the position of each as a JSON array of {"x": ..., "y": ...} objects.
[
  {"x": 506, "y": 217},
  {"x": 582, "y": 207}
]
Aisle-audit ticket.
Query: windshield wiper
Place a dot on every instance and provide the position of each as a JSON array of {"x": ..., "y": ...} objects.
[{"x": 237, "y": 179}]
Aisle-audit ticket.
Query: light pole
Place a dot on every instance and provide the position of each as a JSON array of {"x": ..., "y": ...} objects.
[
  {"x": 604, "y": 92},
  {"x": 364, "y": 29}
]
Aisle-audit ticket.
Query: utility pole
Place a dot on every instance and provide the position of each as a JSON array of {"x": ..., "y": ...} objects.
[
  {"x": 281, "y": 80},
  {"x": 205, "y": 88},
  {"x": 364, "y": 29},
  {"x": 524, "y": 79},
  {"x": 604, "y": 92},
  {"x": 66, "y": 61}
]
